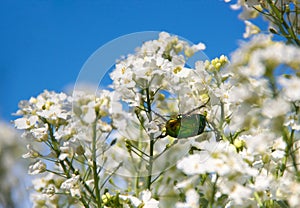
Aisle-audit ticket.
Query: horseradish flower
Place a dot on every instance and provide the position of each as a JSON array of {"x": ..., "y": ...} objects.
[
  {"x": 251, "y": 29},
  {"x": 72, "y": 185},
  {"x": 37, "y": 167},
  {"x": 191, "y": 200}
]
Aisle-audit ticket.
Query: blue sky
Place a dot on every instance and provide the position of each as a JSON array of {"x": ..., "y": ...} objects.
[{"x": 45, "y": 43}]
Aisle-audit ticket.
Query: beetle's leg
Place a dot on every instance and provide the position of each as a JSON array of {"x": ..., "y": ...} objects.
[
  {"x": 157, "y": 114},
  {"x": 198, "y": 108},
  {"x": 214, "y": 129},
  {"x": 162, "y": 135}
]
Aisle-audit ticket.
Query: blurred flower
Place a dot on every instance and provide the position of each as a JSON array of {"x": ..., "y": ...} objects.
[
  {"x": 220, "y": 158},
  {"x": 72, "y": 185},
  {"x": 13, "y": 170},
  {"x": 291, "y": 87},
  {"x": 251, "y": 29},
  {"x": 32, "y": 153},
  {"x": 275, "y": 107},
  {"x": 192, "y": 200},
  {"x": 239, "y": 194},
  {"x": 145, "y": 200},
  {"x": 293, "y": 121},
  {"x": 37, "y": 167},
  {"x": 26, "y": 123}
]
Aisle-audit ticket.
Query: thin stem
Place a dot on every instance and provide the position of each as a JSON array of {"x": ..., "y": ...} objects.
[
  {"x": 293, "y": 156},
  {"x": 286, "y": 30},
  {"x": 57, "y": 151},
  {"x": 108, "y": 177},
  {"x": 198, "y": 108},
  {"x": 94, "y": 158},
  {"x": 138, "y": 154},
  {"x": 150, "y": 166},
  {"x": 166, "y": 148},
  {"x": 258, "y": 199},
  {"x": 214, "y": 191},
  {"x": 292, "y": 149},
  {"x": 141, "y": 153}
]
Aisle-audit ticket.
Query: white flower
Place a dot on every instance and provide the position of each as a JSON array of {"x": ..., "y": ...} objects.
[
  {"x": 40, "y": 134},
  {"x": 192, "y": 200},
  {"x": 291, "y": 87},
  {"x": 294, "y": 198},
  {"x": 193, "y": 164},
  {"x": 262, "y": 182},
  {"x": 239, "y": 194},
  {"x": 134, "y": 200},
  {"x": 251, "y": 29},
  {"x": 65, "y": 151},
  {"x": 275, "y": 107},
  {"x": 72, "y": 185},
  {"x": 240, "y": 57},
  {"x": 89, "y": 113},
  {"x": 152, "y": 127},
  {"x": 45, "y": 189},
  {"x": 278, "y": 155},
  {"x": 220, "y": 158},
  {"x": 147, "y": 200},
  {"x": 252, "y": 2},
  {"x": 43, "y": 200},
  {"x": 50, "y": 190},
  {"x": 47, "y": 107},
  {"x": 190, "y": 51},
  {"x": 32, "y": 153},
  {"x": 238, "y": 93},
  {"x": 144, "y": 200},
  {"x": 66, "y": 131},
  {"x": 186, "y": 183},
  {"x": 258, "y": 143},
  {"x": 158, "y": 64},
  {"x": 53, "y": 113},
  {"x": 42, "y": 182},
  {"x": 278, "y": 149},
  {"x": 37, "y": 167},
  {"x": 26, "y": 123},
  {"x": 69, "y": 183},
  {"x": 293, "y": 121}
]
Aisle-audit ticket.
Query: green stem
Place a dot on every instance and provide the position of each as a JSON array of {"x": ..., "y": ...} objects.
[
  {"x": 222, "y": 116},
  {"x": 286, "y": 30},
  {"x": 258, "y": 199},
  {"x": 94, "y": 159},
  {"x": 57, "y": 151},
  {"x": 214, "y": 191},
  {"x": 150, "y": 166},
  {"x": 292, "y": 151}
]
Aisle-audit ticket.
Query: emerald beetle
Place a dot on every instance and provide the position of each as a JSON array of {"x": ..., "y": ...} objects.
[{"x": 185, "y": 125}]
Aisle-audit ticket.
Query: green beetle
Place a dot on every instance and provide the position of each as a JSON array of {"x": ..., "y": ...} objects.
[{"x": 185, "y": 125}]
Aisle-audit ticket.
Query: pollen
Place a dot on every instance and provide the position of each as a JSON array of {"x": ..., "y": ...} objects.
[
  {"x": 177, "y": 69},
  {"x": 123, "y": 70},
  {"x": 148, "y": 73}
]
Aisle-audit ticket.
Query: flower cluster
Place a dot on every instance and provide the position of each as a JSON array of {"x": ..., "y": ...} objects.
[
  {"x": 66, "y": 134},
  {"x": 282, "y": 16},
  {"x": 231, "y": 138},
  {"x": 257, "y": 161},
  {"x": 13, "y": 170}
]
